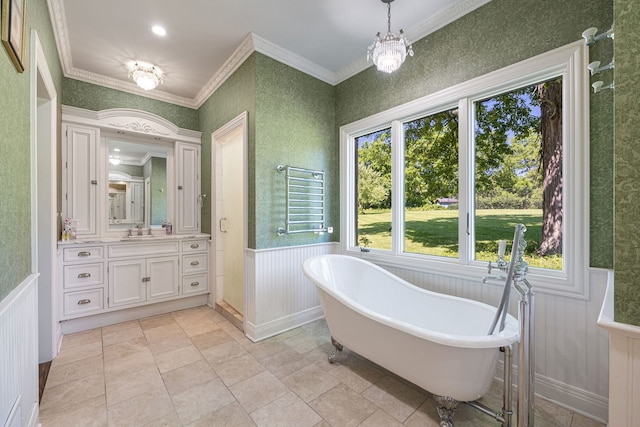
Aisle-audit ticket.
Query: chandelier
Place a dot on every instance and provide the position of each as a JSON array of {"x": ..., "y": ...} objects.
[
  {"x": 115, "y": 160},
  {"x": 145, "y": 75},
  {"x": 390, "y": 51}
]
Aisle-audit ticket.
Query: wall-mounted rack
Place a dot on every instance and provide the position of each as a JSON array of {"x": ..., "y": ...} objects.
[{"x": 305, "y": 200}]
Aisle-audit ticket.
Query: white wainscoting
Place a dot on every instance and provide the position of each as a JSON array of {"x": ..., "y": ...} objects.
[
  {"x": 572, "y": 354},
  {"x": 278, "y": 295},
  {"x": 624, "y": 374},
  {"x": 19, "y": 355}
]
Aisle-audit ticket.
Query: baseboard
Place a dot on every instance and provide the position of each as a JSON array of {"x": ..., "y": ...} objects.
[
  {"x": 274, "y": 327},
  {"x": 573, "y": 398},
  {"x": 105, "y": 319}
]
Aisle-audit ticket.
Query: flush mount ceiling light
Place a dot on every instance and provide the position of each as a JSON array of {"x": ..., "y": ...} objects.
[
  {"x": 146, "y": 76},
  {"x": 115, "y": 160},
  {"x": 388, "y": 52}
]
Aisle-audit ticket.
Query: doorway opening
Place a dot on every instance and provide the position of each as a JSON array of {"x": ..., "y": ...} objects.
[{"x": 229, "y": 218}]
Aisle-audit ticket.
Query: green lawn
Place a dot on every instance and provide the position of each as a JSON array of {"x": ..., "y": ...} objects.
[{"x": 435, "y": 232}]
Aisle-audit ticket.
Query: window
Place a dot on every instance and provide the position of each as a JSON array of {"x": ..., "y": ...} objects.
[{"x": 436, "y": 183}]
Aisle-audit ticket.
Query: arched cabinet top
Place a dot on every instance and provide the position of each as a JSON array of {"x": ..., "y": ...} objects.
[{"x": 130, "y": 122}]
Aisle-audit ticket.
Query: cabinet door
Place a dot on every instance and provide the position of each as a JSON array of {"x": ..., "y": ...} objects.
[
  {"x": 125, "y": 282},
  {"x": 163, "y": 277},
  {"x": 188, "y": 173},
  {"x": 81, "y": 170}
]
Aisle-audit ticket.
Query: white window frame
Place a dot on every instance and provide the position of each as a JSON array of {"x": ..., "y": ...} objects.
[{"x": 570, "y": 62}]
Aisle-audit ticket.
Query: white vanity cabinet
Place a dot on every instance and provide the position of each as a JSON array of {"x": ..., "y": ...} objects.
[
  {"x": 83, "y": 285},
  {"x": 81, "y": 177},
  {"x": 110, "y": 275},
  {"x": 188, "y": 186},
  {"x": 140, "y": 280}
]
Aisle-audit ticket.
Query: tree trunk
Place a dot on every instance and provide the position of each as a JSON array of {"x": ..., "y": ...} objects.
[{"x": 550, "y": 94}]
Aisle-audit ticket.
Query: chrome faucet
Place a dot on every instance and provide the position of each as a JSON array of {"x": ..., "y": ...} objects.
[{"x": 139, "y": 227}]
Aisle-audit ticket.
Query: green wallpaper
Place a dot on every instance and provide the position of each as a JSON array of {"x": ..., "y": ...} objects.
[
  {"x": 93, "y": 97},
  {"x": 236, "y": 95},
  {"x": 627, "y": 161},
  {"x": 295, "y": 125},
  {"x": 15, "y": 172},
  {"x": 498, "y": 34},
  {"x": 158, "y": 190}
]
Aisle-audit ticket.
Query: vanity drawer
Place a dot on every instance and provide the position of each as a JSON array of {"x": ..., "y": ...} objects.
[
  {"x": 194, "y": 284},
  {"x": 83, "y": 275},
  {"x": 87, "y": 253},
  {"x": 194, "y": 246},
  {"x": 196, "y": 263},
  {"x": 157, "y": 247},
  {"x": 83, "y": 302}
]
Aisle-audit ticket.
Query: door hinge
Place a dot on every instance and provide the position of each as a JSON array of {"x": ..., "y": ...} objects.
[{"x": 66, "y": 165}]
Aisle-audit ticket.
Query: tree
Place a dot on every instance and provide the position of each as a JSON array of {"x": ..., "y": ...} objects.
[
  {"x": 550, "y": 97},
  {"x": 373, "y": 189}
]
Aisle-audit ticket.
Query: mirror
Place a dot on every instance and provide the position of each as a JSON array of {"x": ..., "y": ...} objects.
[{"x": 137, "y": 193}]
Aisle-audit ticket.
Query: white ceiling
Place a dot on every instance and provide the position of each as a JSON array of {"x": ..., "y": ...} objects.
[{"x": 207, "y": 39}]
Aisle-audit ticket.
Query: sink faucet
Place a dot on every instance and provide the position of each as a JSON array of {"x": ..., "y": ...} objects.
[{"x": 139, "y": 227}]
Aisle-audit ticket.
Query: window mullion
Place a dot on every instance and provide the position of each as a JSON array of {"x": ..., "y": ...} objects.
[
  {"x": 466, "y": 196},
  {"x": 397, "y": 187}
]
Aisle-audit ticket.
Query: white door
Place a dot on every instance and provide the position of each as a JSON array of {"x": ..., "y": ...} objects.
[{"x": 231, "y": 223}]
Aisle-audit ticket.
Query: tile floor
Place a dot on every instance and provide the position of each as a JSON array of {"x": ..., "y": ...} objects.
[{"x": 194, "y": 368}]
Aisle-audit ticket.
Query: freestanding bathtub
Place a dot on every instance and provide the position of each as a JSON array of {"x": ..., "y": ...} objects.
[{"x": 436, "y": 341}]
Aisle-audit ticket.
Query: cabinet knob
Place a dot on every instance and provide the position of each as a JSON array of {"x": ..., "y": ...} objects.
[
  {"x": 146, "y": 279},
  {"x": 179, "y": 187},
  {"x": 84, "y": 253},
  {"x": 195, "y": 246},
  {"x": 194, "y": 263},
  {"x": 84, "y": 301},
  {"x": 194, "y": 284},
  {"x": 84, "y": 275},
  {"x": 94, "y": 182}
]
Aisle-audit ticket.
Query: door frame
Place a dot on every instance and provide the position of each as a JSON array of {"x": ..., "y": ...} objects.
[
  {"x": 218, "y": 138},
  {"x": 45, "y": 218}
]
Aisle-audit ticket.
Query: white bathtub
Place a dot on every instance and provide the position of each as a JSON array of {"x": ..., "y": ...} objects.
[{"x": 436, "y": 341}]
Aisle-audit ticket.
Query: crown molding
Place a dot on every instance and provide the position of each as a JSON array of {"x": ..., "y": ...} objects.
[
  {"x": 252, "y": 43},
  {"x": 416, "y": 33}
]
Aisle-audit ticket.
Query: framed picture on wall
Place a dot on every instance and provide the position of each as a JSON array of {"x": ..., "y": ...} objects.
[{"x": 14, "y": 30}]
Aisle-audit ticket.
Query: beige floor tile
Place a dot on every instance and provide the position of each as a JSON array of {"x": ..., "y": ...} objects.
[
  {"x": 73, "y": 354},
  {"x": 343, "y": 407},
  {"x": 211, "y": 339},
  {"x": 200, "y": 327},
  {"x": 170, "y": 343},
  {"x": 121, "y": 335},
  {"x": 380, "y": 419},
  {"x": 310, "y": 382},
  {"x": 554, "y": 415},
  {"x": 170, "y": 420},
  {"x": 258, "y": 391},
  {"x": 288, "y": 410},
  {"x": 200, "y": 401},
  {"x": 231, "y": 415},
  {"x": 188, "y": 376},
  {"x": 120, "y": 326},
  {"x": 425, "y": 416},
  {"x": 395, "y": 398},
  {"x": 90, "y": 413},
  {"x": 125, "y": 348},
  {"x": 160, "y": 333},
  {"x": 75, "y": 371},
  {"x": 285, "y": 363},
  {"x": 71, "y": 393},
  {"x": 302, "y": 343},
  {"x": 177, "y": 358},
  {"x": 236, "y": 334},
  {"x": 141, "y": 409},
  {"x": 357, "y": 373},
  {"x": 582, "y": 421},
  {"x": 156, "y": 321},
  {"x": 81, "y": 338},
  {"x": 238, "y": 369},
  {"x": 223, "y": 353},
  {"x": 128, "y": 365},
  {"x": 267, "y": 348},
  {"x": 128, "y": 386}
]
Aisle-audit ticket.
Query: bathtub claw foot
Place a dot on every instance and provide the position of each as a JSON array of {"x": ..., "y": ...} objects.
[
  {"x": 338, "y": 349},
  {"x": 446, "y": 407}
]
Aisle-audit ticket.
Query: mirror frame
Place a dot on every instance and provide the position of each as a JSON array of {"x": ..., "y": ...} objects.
[{"x": 135, "y": 126}]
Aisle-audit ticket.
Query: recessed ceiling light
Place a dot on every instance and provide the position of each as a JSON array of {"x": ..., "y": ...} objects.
[{"x": 157, "y": 29}]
